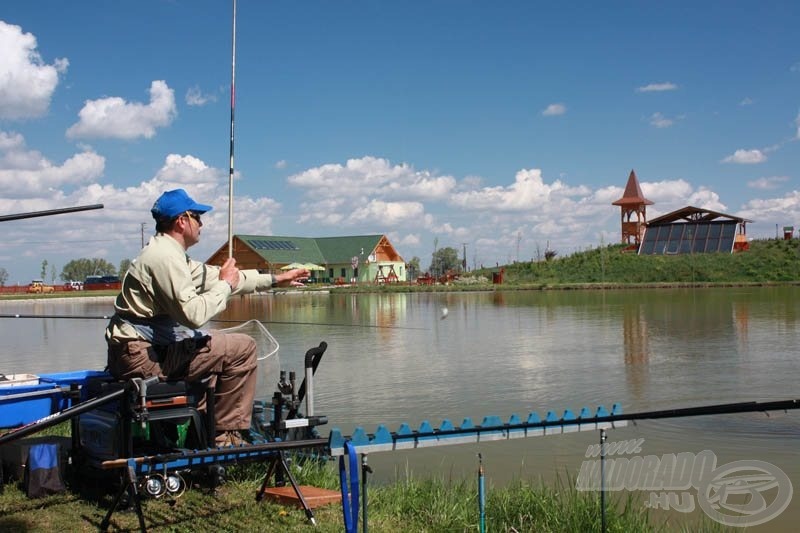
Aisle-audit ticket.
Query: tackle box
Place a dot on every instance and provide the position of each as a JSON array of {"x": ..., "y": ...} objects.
[{"x": 25, "y": 398}]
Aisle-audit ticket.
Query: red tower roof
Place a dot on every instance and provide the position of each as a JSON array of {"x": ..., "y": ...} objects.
[{"x": 633, "y": 193}]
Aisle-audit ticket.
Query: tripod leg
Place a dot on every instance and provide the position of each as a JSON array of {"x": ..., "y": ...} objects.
[
  {"x": 306, "y": 508},
  {"x": 270, "y": 470},
  {"x": 128, "y": 485}
]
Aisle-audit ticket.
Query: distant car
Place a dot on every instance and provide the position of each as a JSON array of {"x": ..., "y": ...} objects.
[
  {"x": 37, "y": 286},
  {"x": 73, "y": 286}
]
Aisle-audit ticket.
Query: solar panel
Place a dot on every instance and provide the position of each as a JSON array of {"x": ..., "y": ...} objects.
[
  {"x": 260, "y": 244},
  {"x": 691, "y": 237}
]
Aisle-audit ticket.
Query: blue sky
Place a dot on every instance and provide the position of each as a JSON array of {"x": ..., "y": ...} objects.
[{"x": 502, "y": 125}]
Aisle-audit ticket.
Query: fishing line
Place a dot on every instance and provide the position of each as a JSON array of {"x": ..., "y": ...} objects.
[{"x": 107, "y": 317}]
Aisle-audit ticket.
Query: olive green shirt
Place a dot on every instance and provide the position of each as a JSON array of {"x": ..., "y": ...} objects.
[{"x": 163, "y": 280}]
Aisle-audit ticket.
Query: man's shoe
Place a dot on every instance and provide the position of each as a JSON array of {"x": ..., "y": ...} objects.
[{"x": 229, "y": 438}]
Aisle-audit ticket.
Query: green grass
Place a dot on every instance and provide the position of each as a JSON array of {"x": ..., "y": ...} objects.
[
  {"x": 408, "y": 504},
  {"x": 768, "y": 262}
]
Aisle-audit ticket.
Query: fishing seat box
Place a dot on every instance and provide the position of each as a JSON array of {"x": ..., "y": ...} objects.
[
  {"x": 28, "y": 397},
  {"x": 174, "y": 420}
]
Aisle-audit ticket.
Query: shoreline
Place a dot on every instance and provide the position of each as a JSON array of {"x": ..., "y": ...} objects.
[{"x": 454, "y": 287}]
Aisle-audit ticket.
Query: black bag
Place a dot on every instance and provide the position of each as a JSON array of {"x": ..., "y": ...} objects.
[{"x": 42, "y": 471}]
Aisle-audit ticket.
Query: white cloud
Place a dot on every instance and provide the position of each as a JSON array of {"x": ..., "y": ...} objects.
[
  {"x": 196, "y": 97},
  {"x": 705, "y": 198},
  {"x": 26, "y": 82},
  {"x": 554, "y": 110},
  {"x": 746, "y": 157},
  {"x": 771, "y": 211},
  {"x": 187, "y": 169},
  {"x": 667, "y": 192},
  {"x": 113, "y": 117},
  {"x": 281, "y": 164},
  {"x": 529, "y": 191},
  {"x": 746, "y": 101},
  {"x": 388, "y": 213},
  {"x": 27, "y": 173},
  {"x": 766, "y": 183},
  {"x": 657, "y": 87},
  {"x": 371, "y": 175},
  {"x": 660, "y": 121}
]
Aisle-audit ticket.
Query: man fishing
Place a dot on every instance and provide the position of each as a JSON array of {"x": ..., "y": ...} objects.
[{"x": 167, "y": 297}]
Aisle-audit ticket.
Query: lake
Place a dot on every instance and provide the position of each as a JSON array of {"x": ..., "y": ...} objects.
[{"x": 395, "y": 358}]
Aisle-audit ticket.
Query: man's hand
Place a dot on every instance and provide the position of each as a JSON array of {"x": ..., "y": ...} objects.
[
  {"x": 294, "y": 278},
  {"x": 230, "y": 273}
]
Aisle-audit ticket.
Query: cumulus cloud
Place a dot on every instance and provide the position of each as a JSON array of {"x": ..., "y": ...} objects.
[
  {"x": 27, "y": 83},
  {"x": 657, "y": 87},
  {"x": 372, "y": 175},
  {"x": 389, "y": 213},
  {"x": 27, "y": 173},
  {"x": 529, "y": 191},
  {"x": 113, "y": 117},
  {"x": 775, "y": 210},
  {"x": 196, "y": 97},
  {"x": 554, "y": 109},
  {"x": 660, "y": 121},
  {"x": 746, "y": 157},
  {"x": 766, "y": 183},
  {"x": 281, "y": 164},
  {"x": 706, "y": 199}
]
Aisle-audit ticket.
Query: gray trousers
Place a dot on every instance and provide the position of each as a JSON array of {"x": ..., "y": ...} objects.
[{"x": 227, "y": 359}]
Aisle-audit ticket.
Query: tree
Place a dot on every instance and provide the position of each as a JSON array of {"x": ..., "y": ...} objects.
[
  {"x": 413, "y": 267},
  {"x": 123, "y": 266},
  {"x": 44, "y": 270},
  {"x": 79, "y": 269},
  {"x": 52, "y": 274},
  {"x": 3, "y": 277},
  {"x": 445, "y": 259}
]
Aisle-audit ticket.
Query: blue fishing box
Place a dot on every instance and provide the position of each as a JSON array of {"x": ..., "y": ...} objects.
[
  {"x": 76, "y": 377},
  {"x": 25, "y": 398},
  {"x": 23, "y": 401}
]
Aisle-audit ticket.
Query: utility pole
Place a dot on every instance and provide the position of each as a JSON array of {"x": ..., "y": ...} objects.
[
  {"x": 519, "y": 238},
  {"x": 433, "y": 263},
  {"x": 143, "y": 224},
  {"x": 464, "y": 261}
]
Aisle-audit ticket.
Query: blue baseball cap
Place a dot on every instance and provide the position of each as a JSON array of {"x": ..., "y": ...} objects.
[{"x": 172, "y": 203}]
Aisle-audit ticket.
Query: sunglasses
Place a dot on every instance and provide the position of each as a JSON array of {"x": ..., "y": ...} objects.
[{"x": 195, "y": 216}]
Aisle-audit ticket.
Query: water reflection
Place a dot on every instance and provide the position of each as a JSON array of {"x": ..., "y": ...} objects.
[{"x": 637, "y": 349}]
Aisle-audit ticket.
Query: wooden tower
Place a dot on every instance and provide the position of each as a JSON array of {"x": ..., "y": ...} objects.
[{"x": 633, "y": 203}]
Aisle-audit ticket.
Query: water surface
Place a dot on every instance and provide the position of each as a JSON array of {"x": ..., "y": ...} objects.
[{"x": 393, "y": 359}]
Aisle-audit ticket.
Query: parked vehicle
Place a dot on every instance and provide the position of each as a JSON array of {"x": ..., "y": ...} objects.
[
  {"x": 38, "y": 286},
  {"x": 73, "y": 286}
]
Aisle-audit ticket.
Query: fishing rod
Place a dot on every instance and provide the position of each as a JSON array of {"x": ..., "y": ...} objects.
[
  {"x": 107, "y": 317},
  {"x": 233, "y": 105},
  {"x": 49, "y": 212}
]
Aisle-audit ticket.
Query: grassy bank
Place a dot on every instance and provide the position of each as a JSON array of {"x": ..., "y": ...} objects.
[
  {"x": 408, "y": 505},
  {"x": 768, "y": 262}
]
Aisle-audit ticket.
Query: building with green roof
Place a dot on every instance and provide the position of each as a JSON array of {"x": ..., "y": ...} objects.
[{"x": 360, "y": 258}]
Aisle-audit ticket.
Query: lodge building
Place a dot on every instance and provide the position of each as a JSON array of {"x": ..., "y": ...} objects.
[{"x": 360, "y": 259}]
